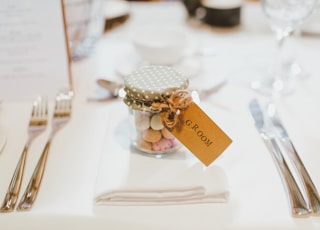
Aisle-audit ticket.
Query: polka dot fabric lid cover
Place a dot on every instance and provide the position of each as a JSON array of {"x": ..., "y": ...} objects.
[{"x": 152, "y": 83}]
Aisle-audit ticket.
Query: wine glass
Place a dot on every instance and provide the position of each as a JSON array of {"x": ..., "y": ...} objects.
[
  {"x": 284, "y": 16},
  {"x": 299, "y": 72}
]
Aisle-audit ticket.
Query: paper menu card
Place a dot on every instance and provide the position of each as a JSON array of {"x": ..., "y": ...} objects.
[{"x": 33, "y": 49}]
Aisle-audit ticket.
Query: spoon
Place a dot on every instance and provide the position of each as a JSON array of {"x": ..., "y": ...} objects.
[
  {"x": 116, "y": 90},
  {"x": 112, "y": 86}
]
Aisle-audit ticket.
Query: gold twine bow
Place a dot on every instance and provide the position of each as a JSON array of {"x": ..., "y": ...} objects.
[{"x": 171, "y": 108}]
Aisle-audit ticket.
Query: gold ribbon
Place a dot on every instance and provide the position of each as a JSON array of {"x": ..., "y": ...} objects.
[{"x": 171, "y": 108}]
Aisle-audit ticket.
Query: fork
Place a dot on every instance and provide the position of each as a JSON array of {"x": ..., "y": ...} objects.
[
  {"x": 37, "y": 124},
  {"x": 61, "y": 115}
]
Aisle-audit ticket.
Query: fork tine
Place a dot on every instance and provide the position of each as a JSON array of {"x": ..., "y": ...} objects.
[
  {"x": 39, "y": 106},
  {"x": 39, "y": 113},
  {"x": 59, "y": 107},
  {"x": 35, "y": 107},
  {"x": 46, "y": 108},
  {"x": 43, "y": 107},
  {"x": 63, "y": 105},
  {"x": 68, "y": 105}
]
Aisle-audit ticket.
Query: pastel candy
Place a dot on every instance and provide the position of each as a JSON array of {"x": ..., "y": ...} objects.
[
  {"x": 156, "y": 122},
  {"x": 143, "y": 144},
  {"x": 166, "y": 133},
  {"x": 151, "y": 135},
  {"x": 162, "y": 145},
  {"x": 174, "y": 142},
  {"x": 142, "y": 121}
]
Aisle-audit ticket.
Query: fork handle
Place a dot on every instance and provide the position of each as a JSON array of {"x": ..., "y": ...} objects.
[
  {"x": 33, "y": 187},
  {"x": 298, "y": 205},
  {"x": 12, "y": 194}
]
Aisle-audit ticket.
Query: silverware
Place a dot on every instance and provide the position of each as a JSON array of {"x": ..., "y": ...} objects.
[
  {"x": 62, "y": 114},
  {"x": 281, "y": 132},
  {"x": 112, "y": 86},
  {"x": 37, "y": 124},
  {"x": 115, "y": 91},
  {"x": 298, "y": 205},
  {"x": 203, "y": 94}
]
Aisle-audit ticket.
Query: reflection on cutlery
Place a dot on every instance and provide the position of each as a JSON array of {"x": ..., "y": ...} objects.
[
  {"x": 37, "y": 124},
  {"x": 116, "y": 90},
  {"x": 298, "y": 205},
  {"x": 61, "y": 116},
  {"x": 294, "y": 157}
]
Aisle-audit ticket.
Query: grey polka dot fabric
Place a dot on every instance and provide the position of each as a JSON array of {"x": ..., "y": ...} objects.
[{"x": 152, "y": 83}]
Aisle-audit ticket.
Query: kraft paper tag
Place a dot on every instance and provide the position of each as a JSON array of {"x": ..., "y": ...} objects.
[{"x": 201, "y": 135}]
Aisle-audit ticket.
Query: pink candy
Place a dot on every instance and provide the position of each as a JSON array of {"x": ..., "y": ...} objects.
[{"x": 162, "y": 145}]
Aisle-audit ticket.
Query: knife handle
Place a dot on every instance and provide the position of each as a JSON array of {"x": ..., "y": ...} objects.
[
  {"x": 298, "y": 205},
  {"x": 309, "y": 186}
]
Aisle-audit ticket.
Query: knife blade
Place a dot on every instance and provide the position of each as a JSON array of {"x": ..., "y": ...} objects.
[
  {"x": 297, "y": 203},
  {"x": 282, "y": 134}
]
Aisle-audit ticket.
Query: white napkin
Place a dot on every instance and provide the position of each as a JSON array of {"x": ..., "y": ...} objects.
[{"x": 128, "y": 178}]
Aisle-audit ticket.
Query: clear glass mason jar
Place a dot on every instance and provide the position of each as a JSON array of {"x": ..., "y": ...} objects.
[{"x": 144, "y": 87}]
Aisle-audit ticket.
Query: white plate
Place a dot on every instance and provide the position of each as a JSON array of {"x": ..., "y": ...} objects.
[
  {"x": 115, "y": 8},
  {"x": 3, "y": 137},
  {"x": 190, "y": 66}
]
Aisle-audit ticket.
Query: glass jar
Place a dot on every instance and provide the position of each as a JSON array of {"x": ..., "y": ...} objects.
[{"x": 146, "y": 87}]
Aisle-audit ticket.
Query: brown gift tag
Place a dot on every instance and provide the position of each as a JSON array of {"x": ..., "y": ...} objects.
[{"x": 200, "y": 134}]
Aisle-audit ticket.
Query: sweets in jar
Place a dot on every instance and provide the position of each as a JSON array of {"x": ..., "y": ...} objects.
[{"x": 145, "y": 87}]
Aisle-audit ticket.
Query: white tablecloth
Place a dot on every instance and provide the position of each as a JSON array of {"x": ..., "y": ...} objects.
[{"x": 257, "y": 199}]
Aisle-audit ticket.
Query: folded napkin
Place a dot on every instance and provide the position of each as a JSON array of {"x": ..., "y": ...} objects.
[{"x": 128, "y": 178}]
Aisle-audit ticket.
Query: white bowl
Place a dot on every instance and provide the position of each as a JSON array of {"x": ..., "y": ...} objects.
[{"x": 159, "y": 46}]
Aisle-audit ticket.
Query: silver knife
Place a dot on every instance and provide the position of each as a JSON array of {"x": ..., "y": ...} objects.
[
  {"x": 298, "y": 205},
  {"x": 281, "y": 132}
]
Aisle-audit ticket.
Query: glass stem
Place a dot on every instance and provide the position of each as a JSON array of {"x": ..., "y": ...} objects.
[
  {"x": 277, "y": 71},
  {"x": 280, "y": 40},
  {"x": 280, "y": 36}
]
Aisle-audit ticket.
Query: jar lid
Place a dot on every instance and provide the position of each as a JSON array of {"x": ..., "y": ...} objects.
[{"x": 150, "y": 84}]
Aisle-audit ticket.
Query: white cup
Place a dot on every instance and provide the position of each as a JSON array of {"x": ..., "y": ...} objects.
[{"x": 159, "y": 45}]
